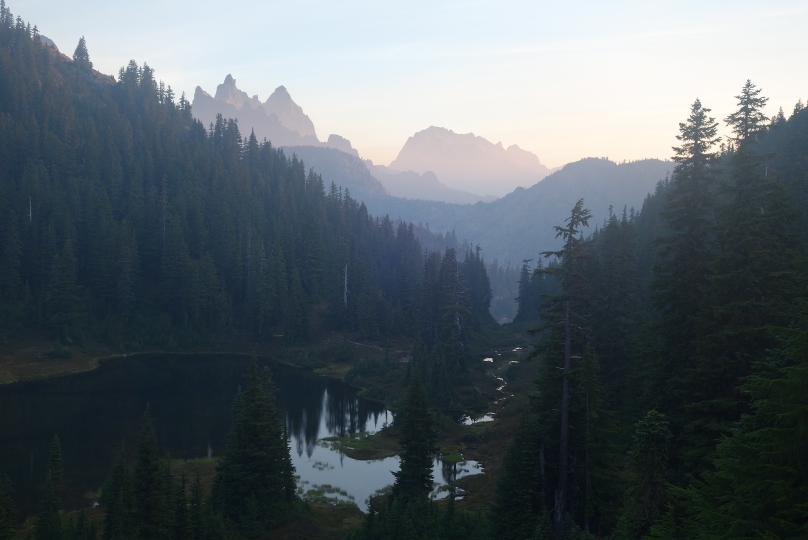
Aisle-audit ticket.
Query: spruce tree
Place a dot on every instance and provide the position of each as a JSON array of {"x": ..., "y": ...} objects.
[
  {"x": 753, "y": 283},
  {"x": 81, "y": 57},
  {"x": 11, "y": 284},
  {"x": 417, "y": 437},
  {"x": 182, "y": 519},
  {"x": 148, "y": 485},
  {"x": 8, "y": 514},
  {"x": 254, "y": 485},
  {"x": 758, "y": 485},
  {"x": 562, "y": 313},
  {"x": 648, "y": 468},
  {"x": 117, "y": 499},
  {"x": 519, "y": 505},
  {"x": 48, "y": 525},
  {"x": 682, "y": 277}
]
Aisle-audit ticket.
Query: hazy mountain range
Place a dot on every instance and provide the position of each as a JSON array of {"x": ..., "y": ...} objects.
[
  {"x": 468, "y": 162},
  {"x": 434, "y": 164},
  {"x": 444, "y": 179},
  {"x": 520, "y": 225},
  {"x": 279, "y": 119}
]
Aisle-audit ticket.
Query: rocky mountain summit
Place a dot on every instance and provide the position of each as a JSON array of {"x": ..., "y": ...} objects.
[
  {"x": 470, "y": 163},
  {"x": 279, "y": 119}
]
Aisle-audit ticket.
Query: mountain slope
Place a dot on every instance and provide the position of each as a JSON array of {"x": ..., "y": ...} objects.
[
  {"x": 519, "y": 225},
  {"x": 289, "y": 113},
  {"x": 411, "y": 185},
  {"x": 468, "y": 162},
  {"x": 345, "y": 170}
]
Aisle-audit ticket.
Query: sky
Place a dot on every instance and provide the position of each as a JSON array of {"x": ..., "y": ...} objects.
[{"x": 564, "y": 80}]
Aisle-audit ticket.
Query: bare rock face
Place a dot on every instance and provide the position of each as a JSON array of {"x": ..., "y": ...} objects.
[
  {"x": 289, "y": 113},
  {"x": 48, "y": 42},
  {"x": 227, "y": 92},
  {"x": 252, "y": 115},
  {"x": 470, "y": 163},
  {"x": 342, "y": 144}
]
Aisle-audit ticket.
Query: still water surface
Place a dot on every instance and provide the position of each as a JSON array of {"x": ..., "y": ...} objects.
[{"x": 190, "y": 398}]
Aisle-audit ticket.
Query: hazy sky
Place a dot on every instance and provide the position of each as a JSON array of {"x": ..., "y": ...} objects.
[{"x": 564, "y": 80}]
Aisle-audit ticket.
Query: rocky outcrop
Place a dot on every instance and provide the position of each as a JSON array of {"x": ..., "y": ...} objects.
[{"x": 289, "y": 113}]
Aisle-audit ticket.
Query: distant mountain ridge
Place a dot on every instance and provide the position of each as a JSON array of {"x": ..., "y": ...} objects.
[
  {"x": 411, "y": 185},
  {"x": 435, "y": 164},
  {"x": 520, "y": 225},
  {"x": 343, "y": 169},
  {"x": 470, "y": 163}
]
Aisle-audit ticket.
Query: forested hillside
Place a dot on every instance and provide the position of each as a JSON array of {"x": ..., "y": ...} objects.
[
  {"x": 673, "y": 352},
  {"x": 670, "y": 343},
  {"x": 125, "y": 220}
]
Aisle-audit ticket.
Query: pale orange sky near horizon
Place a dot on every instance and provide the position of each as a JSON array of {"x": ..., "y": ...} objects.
[{"x": 563, "y": 80}]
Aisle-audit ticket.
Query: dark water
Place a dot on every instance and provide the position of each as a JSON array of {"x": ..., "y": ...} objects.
[{"x": 190, "y": 398}]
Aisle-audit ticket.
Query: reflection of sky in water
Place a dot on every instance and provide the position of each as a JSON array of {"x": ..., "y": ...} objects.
[
  {"x": 191, "y": 399},
  {"x": 319, "y": 464}
]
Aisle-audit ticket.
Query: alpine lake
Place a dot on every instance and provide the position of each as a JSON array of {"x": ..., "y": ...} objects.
[{"x": 190, "y": 397}]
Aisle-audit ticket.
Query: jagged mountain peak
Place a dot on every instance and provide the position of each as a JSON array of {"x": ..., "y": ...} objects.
[
  {"x": 290, "y": 114},
  {"x": 228, "y": 92}
]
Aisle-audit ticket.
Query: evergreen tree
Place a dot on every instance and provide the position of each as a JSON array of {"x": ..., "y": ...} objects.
[
  {"x": 8, "y": 514},
  {"x": 81, "y": 58},
  {"x": 48, "y": 525},
  {"x": 648, "y": 466},
  {"x": 117, "y": 499},
  {"x": 572, "y": 302},
  {"x": 519, "y": 506},
  {"x": 61, "y": 298},
  {"x": 254, "y": 485},
  {"x": 182, "y": 523},
  {"x": 148, "y": 484},
  {"x": 682, "y": 276},
  {"x": 416, "y": 436},
  {"x": 11, "y": 285},
  {"x": 748, "y": 122},
  {"x": 758, "y": 487},
  {"x": 755, "y": 279}
]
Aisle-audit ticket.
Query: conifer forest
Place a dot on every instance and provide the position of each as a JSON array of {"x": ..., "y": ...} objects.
[{"x": 661, "y": 385}]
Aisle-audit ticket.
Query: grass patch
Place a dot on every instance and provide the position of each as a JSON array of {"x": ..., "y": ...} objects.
[{"x": 363, "y": 446}]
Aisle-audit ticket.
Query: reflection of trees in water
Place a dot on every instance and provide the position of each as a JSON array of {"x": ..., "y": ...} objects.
[
  {"x": 301, "y": 399},
  {"x": 452, "y": 470},
  {"x": 191, "y": 400},
  {"x": 307, "y": 400},
  {"x": 347, "y": 415},
  {"x": 448, "y": 470}
]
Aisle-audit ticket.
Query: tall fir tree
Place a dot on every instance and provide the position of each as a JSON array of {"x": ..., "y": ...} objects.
[
  {"x": 562, "y": 315},
  {"x": 646, "y": 497},
  {"x": 117, "y": 499},
  {"x": 81, "y": 58},
  {"x": 8, "y": 513},
  {"x": 150, "y": 517},
  {"x": 48, "y": 524},
  {"x": 417, "y": 437},
  {"x": 682, "y": 277},
  {"x": 254, "y": 484},
  {"x": 754, "y": 281}
]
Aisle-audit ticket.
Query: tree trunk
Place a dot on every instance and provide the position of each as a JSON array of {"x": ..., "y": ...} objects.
[{"x": 561, "y": 492}]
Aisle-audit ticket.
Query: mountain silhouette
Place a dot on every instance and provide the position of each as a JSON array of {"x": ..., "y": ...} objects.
[{"x": 469, "y": 163}]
